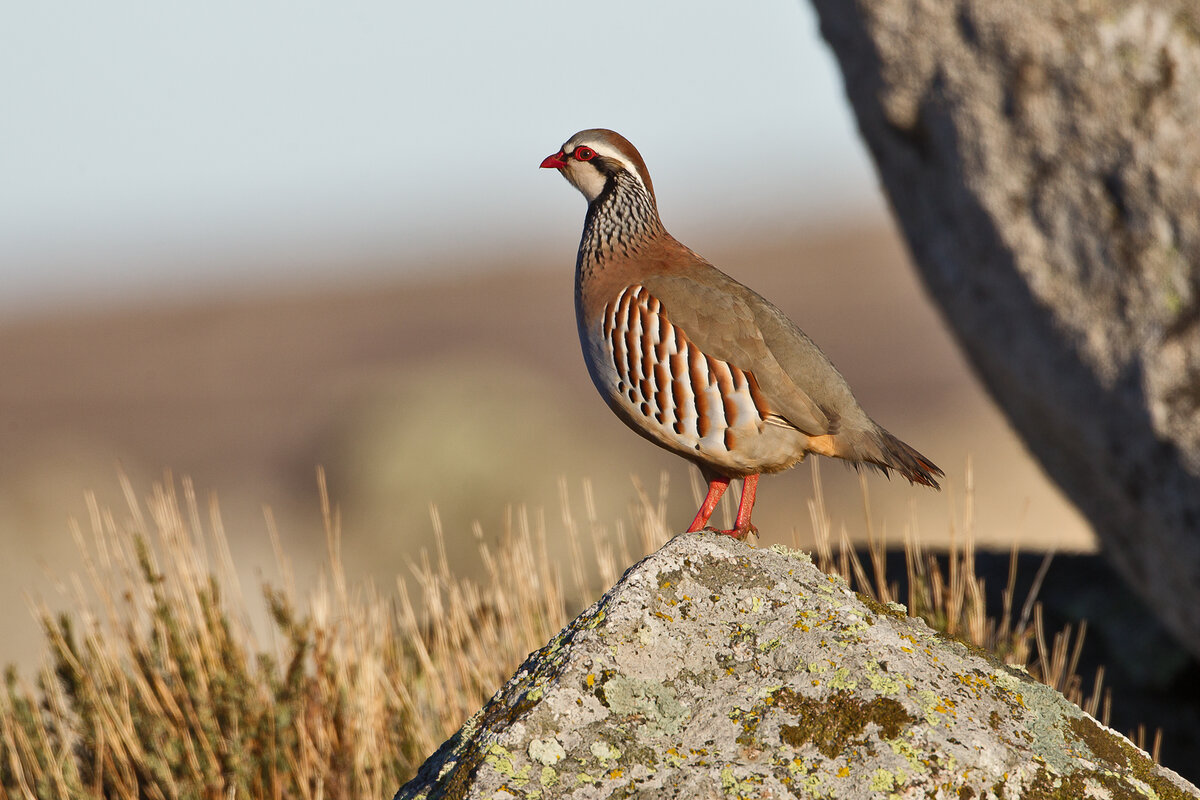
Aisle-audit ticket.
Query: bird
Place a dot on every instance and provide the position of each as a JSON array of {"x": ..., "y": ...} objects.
[{"x": 693, "y": 360}]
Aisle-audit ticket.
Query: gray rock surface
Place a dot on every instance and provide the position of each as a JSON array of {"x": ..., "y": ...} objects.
[
  {"x": 713, "y": 669},
  {"x": 1042, "y": 161}
]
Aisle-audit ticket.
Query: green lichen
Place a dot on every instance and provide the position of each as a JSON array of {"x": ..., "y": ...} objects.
[
  {"x": 605, "y": 752},
  {"x": 739, "y": 787},
  {"x": 931, "y": 706},
  {"x": 798, "y": 766},
  {"x": 546, "y": 751},
  {"x": 788, "y": 552},
  {"x": 849, "y": 631},
  {"x": 812, "y": 786},
  {"x": 842, "y": 681},
  {"x": 768, "y": 646},
  {"x": 882, "y": 781},
  {"x": 727, "y": 779},
  {"x": 652, "y": 701},
  {"x": 910, "y": 754},
  {"x": 501, "y": 760},
  {"x": 881, "y": 681}
]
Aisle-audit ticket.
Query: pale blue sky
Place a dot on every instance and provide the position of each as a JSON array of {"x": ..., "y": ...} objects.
[{"x": 171, "y": 148}]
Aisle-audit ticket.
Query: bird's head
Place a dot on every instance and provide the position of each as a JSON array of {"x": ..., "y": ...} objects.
[{"x": 593, "y": 159}]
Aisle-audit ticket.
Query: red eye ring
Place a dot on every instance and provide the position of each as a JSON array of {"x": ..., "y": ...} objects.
[{"x": 584, "y": 154}]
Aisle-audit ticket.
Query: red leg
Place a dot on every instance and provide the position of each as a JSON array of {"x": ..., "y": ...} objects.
[
  {"x": 716, "y": 488},
  {"x": 743, "y": 527}
]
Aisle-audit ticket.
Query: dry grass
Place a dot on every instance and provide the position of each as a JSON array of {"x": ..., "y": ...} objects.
[
  {"x": 950, "y": 596},
  {"x": 159, "y": 685}
]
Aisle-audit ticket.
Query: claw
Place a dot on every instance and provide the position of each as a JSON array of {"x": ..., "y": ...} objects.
[{"x": 741, "y": 534}]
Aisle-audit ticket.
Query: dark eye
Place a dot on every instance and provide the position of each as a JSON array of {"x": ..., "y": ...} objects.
[{"x": 584, "y": 153}]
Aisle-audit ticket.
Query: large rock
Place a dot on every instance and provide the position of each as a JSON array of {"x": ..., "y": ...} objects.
[
  {"x": 1042, "y": 161},
  {"x": 716, "y": 670}
]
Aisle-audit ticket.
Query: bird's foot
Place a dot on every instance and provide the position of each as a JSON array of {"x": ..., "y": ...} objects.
[{"x": 738, "y": 533}]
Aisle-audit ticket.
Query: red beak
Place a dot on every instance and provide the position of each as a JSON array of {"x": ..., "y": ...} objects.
[{"x": 555, "y": 161}]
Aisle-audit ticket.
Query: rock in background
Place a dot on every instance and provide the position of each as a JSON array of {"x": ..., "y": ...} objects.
[
  {"x": 713, "y": 669},
  {"x": 1041, "y": 159}
]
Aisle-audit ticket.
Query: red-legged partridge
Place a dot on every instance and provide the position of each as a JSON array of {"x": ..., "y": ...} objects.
[{"x": 693, "y": 360}]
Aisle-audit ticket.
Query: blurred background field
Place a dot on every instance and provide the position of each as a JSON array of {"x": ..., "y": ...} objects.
[
  {"x": 240, "y": 243},
  {"x": 467, "y": 392}
]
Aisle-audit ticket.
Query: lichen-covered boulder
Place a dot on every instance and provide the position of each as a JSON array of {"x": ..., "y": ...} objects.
[
  {"x": 713, "y": 669},
  {"x": 1041, "y": 160}
]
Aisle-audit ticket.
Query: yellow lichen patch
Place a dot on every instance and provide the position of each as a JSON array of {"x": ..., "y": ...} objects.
[
  {"x": 946, "y": 706},
  {"x": 882, "y": 681},
  {"x": 910, "y": 754},
  {"x": 501, "y": 760},
  {"x": 976, "y": 681},
  {"x": 842, "y": 680},
  {"x": 733, "y": 787},
  {"x": 882, "y": 781}
]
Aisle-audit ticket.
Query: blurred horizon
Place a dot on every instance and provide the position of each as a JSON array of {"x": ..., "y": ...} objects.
[{"x": 256, "y": 143}]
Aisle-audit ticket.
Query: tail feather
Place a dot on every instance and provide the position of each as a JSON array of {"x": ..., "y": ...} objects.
[
  {"x": 877, "y": 448},
  {"x": 892, "y": 454}
]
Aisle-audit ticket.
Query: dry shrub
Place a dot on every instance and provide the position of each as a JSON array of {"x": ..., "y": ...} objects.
[{"x": 157, "y": 684}]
